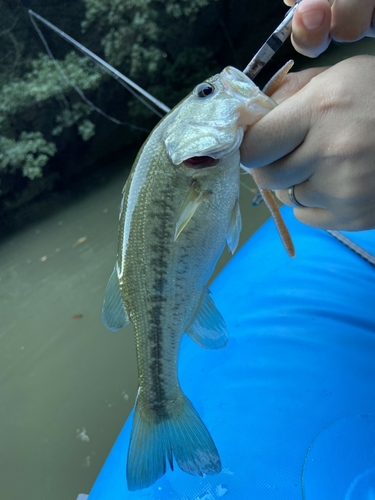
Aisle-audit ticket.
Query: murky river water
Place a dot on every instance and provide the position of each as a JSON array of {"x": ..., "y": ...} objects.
[{"x": 66, "y": 383}]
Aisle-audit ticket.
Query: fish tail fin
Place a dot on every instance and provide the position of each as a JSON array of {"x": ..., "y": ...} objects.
[{"x": 179, "y": 433}]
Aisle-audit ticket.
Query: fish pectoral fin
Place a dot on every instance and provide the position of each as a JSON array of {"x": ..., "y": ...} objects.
[
  {"x": 208, "y": 328},
  {"x": 235, "y": 227},
  {"x": 188, "y": 207},
  {"x": 114, "y": 315}
]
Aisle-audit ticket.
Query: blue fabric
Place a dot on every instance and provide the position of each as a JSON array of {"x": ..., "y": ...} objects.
[{"x": 290, "y": 402}]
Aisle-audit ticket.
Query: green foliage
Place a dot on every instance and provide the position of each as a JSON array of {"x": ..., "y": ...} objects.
[
  {"x": 70, "y": 116},
  {"x": 164, "y": 46},
  {"x": 186, "y": 8},
  {"x": 46, "y": 81},
  {"x": 86, "y": 130},
  {"x": 30, "y": 153},
  {"x": 132, "y": 28},
  {"x": 131, "y": 31}
]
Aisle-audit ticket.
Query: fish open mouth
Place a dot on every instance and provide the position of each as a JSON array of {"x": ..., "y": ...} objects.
[{"x": 197, "y": 162}]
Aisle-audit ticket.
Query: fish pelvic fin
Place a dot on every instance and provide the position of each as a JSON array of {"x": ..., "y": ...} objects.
[
  {"x": 208, "y": 328},
  {"x": 114, "y": 315},
  {"x": 180, "y": 435},
  {"x": 189, "y": 206}
]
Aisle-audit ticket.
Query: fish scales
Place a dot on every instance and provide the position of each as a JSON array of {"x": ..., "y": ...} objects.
[
  {"x": 157, "y": 292},
  {"x": 180, "y": 208}
]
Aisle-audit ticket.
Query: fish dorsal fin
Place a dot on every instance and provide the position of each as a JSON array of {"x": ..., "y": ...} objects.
[
  {"x": 208, "y": 328},
  {"x": 235, "y": 226},
  {"x": 114, "y": 314},
  {"x": 188, "y": 207}
]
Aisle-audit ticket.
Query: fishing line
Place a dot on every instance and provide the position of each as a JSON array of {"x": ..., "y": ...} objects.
[
  {"x": 106, "y": 67},
  {"x": 353, "y": 246},
  {"x": 76, "y": 88}
]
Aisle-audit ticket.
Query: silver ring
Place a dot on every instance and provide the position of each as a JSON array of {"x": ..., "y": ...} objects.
[{"x": 293, "y": 198}]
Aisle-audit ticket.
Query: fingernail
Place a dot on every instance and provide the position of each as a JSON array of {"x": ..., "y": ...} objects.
[{"x": 312, "y": 19}]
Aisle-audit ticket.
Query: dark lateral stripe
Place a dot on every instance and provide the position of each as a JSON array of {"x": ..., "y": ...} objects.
[{"x": 163, "y": 234}]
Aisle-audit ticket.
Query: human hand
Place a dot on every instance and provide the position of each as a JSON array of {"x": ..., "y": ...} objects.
[
  {"x": 316, "y": 22},
  {"x": 321, "y": 139}
]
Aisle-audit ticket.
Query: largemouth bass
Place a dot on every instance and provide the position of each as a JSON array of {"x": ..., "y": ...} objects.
[{"x": 179, "y": 210}]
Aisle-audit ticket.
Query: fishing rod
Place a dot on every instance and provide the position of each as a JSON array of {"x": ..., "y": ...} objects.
[
  {"x": 272, "y": 44},
  {"x": 127, "y": 82}
]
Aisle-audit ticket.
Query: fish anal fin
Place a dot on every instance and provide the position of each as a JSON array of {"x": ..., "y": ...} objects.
[
  {"x": 188, "y": 207},
  {"x": 235, "y": 227},
  {"x": 208, "y": 328},
  {"x": 114, "y": 315},
  {"x": 157, "y": 438}
]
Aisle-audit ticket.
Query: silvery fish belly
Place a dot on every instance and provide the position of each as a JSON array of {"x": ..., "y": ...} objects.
[{"x": 179, "y": 210}]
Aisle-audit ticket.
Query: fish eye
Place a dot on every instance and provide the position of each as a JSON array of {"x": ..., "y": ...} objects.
[{"x": 204, "y": 90}]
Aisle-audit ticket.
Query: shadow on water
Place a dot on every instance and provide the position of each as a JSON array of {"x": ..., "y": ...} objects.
[{"x": 66, "y": 383}]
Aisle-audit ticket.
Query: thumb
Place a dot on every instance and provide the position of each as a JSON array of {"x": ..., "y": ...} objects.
[{"x": 311, "y": 27}]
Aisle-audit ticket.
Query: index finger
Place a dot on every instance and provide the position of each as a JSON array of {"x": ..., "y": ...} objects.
[
  {"x": 282, "y": 129},
  {"x": 351, "y": 20},
  {"x": 275, "y": 135},
  {"x": 293, "y": 82},
  {"x": 311, "y": 27}
]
